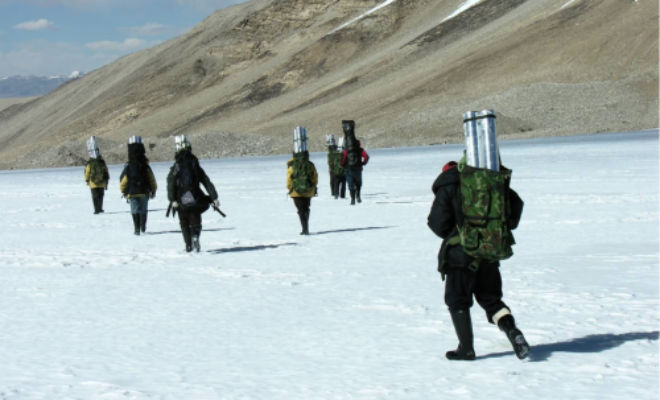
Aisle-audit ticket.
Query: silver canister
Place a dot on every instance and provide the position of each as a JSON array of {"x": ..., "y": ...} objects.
[
  {"x": 299, "y": 139},
  {"x": 92, "y": 147},
  {"x": 488, "y": 138},
  {"x": 471, "y": 138}
]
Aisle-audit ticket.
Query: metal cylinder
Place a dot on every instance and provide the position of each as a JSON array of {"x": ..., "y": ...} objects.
[
  {"x": 490, "y": 149},
  {"x": 299, "y": 139},
  {"x": 92, "y": 147},
  {"x": 471, "y": 138}
]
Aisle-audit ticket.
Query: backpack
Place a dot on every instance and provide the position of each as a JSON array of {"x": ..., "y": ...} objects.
[
  {"x": 97, "y": 174},
  {"x": 303, "y": 173},
  {"x": 485, "y": 233},
  {"x": 138, "y": 180},
  {"x": 335, "y": 163},
  {"x": 187, "y": 183}
]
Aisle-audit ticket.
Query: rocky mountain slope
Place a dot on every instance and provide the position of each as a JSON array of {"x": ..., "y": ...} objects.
[{"x": 405, "y": 70}]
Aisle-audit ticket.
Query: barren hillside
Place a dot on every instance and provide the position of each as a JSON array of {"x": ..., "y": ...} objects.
[{"x": 405, "y": 70}]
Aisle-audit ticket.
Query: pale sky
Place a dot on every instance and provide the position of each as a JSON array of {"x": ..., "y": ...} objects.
[{"x": 57, "y": 37}]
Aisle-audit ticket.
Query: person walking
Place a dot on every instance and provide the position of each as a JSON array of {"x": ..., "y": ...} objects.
[
  {"x": 96, "y": 174},
  {"x": 335, "y": 170},
  {"x": 353, "y": 160},
  {"x": 137, "y": 183},
  {"x": 301, "y": 178},
  {"x": 467, "y": 276},
  {"x": 184, "y": 192}
]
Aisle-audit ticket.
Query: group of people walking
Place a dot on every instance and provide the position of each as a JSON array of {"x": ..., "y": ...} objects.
[
  {"x": 138, "y": 184},
  {"x": 476, "y": 235}
]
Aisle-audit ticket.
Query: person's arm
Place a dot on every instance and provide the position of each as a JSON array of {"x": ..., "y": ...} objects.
[
  {"x": 441, "y": 218},
  {"x": 365, "y": 157}
]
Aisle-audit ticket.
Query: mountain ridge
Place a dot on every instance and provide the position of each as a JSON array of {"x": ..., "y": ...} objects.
[{"x": 241, "y": 80}]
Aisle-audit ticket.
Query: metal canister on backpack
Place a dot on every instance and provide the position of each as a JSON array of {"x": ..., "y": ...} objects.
[
  {"x": 482, "y": 150},
  {"x": 299, "y": 139}
]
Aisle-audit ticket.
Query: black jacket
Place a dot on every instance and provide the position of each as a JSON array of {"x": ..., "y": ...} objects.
[
  {"x": 199, "y": 177},
  {"x": 446, "y": 215}
]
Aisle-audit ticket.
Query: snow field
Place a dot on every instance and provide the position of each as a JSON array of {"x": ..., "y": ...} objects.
[{"x": 355, "y": 310}]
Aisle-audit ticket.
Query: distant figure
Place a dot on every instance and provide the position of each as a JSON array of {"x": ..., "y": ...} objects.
[
  {"x": 458, "y": 215},
  {"x": 137, "y": 183},
  {"x": 335, "y": 170},
  {"x": 185, "y": 195},
  {"x": 353, "y": 159},
  {"x": 96, "y": 174},
  {"x": 301, "y": 178}
]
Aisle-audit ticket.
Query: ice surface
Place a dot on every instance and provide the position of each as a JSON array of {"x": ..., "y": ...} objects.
[{"x": 355, "y": 310}]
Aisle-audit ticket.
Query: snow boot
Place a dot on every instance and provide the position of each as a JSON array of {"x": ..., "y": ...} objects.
[
  {"x": 352, "y": 197},
  {"x": 187, "y": 238},
  {"x": 357, "y": 194},
  {"x": 463, "y": 326},
  {"x": 305, "y": 223},
  {"x": 136, "y": 224},
  {"x": 508, "y": 326},
  {"x": 143, "y": 222},
  {"x": 195, "y": 231}
]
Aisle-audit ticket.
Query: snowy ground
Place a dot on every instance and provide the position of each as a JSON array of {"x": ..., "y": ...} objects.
[{"x": 354, "y": 311}]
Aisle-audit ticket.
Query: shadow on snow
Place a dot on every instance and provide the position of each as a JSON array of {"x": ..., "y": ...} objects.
[
  {"x": 179, "y": 231},
  {"x": 587, "y": 344},
  {"x": 250, "y": 248},
  {"x": 367, "y": 228}
]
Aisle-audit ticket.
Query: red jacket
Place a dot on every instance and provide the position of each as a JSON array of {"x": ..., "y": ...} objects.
[{"x": 364, "y": 158}]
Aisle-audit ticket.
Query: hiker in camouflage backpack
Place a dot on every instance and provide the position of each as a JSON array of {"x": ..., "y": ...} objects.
[
  {"x": 185, "y": 195},
  {"x": 96, "y": 175},
  {"x": 353, "y": 159},
  {"x": 335, "y": 170},
  {"x": 466, "y": 277},
  {"x": 137, "y": 183},
  {"x": 301, "y": 178}
]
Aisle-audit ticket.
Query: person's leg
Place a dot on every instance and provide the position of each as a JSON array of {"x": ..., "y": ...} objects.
[
  {"x": 135, "y": 213},
  {"x": 488, "y": 292},
  {"x": 185, "y": 229},
  {"x": 195, "y": 228},
  {"x": 458, "y": 297}
]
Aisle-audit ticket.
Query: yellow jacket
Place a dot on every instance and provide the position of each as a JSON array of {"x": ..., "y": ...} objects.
[
  {"x": 289, "y": 181},
  {"x": 92, "y": 185}
]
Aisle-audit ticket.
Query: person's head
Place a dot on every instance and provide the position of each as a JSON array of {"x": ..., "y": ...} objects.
[
  {"x": 181, "y": 142},
  {"x": 449, "y": 165}
]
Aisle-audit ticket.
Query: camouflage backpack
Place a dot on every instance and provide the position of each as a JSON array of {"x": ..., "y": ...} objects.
[
  {"x": 303, "y": 173},
  {"x": 335, "y": 163},
  {"x": 485, "y": 233},
  {"x": 97, "y": 173}
]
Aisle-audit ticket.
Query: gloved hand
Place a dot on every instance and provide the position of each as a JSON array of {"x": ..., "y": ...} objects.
[
  {"x": 175, "y": 205},
  {"x": 152, "y": 195},
  {"x": 216, "y": 203}
]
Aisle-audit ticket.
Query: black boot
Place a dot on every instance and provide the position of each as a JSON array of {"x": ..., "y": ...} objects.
[
  {"x": 352, "y": 197},
  {"x": 195, "y": 231},
  {"x": 463, "y": 326},
  {"x": 508, "y": 325},
  {"x": 136, "y": 224},
  {"x": 357, "y": 194},
  {"x": 187, "y": 238},
  {"x": 305, "y": 223},
  {"x": 143, "y": 222}
]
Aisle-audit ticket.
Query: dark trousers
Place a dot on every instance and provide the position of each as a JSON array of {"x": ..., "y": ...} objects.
[
  {"x": 302, "y": 205},
  {"x": 190, "y": 221},
  {"x": 485, "y": 285},
  {"x": 354, "y": 179},
  {"x": 338, "y": 186},
  {"x": 97, "y": 199}
]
